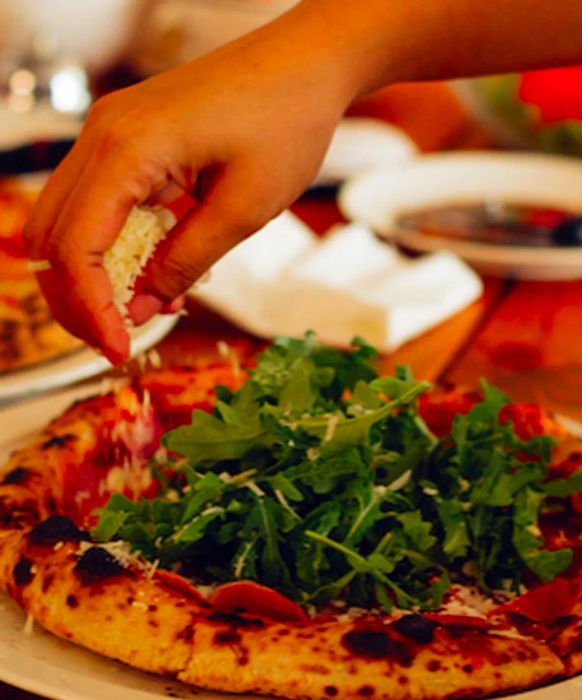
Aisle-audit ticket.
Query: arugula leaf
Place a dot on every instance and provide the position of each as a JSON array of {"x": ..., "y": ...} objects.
[
  {"x": 323, "y": 480},
  {"x": 528, "y": 540},
  {"x": 561, "y": 488}
]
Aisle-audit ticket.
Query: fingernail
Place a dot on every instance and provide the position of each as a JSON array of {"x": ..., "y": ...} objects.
[
  {"x": 174, "y": 306},
  {"x": 143, "y": 306}
]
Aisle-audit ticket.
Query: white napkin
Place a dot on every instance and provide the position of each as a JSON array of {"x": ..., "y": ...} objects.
[{"x": 284, "y": 280}]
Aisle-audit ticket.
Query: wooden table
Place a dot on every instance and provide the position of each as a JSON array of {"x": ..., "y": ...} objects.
[{"x": 525, "y": 337}]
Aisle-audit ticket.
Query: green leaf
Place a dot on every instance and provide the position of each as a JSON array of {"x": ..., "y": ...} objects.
[
  {"x": 457, "y": 542},
  {"x": 195, "y": 529},
  {"x": 562, "y": 488},
  {"x": 528, "y": 540},
  {"x": 110, "y": 523},
  {"x": 418, "y": 532},
  {"x": 208, "y": 489},
  {"x": 209, "y": 438},
  {"x": 297, "y": 396},
  {"x": 393, "y": 386}
]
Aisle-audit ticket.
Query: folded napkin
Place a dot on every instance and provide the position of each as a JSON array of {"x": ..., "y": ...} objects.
[{"x": 285, "y": 280}]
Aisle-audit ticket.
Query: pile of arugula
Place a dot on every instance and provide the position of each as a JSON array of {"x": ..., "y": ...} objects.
[{"x": 321, "y": 479}]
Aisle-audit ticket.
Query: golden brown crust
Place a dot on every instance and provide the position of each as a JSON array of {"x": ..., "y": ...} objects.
[{"x": 130, "y": 615}]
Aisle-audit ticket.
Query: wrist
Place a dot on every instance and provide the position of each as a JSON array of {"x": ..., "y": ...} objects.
[{"x": 361, "y": 43}]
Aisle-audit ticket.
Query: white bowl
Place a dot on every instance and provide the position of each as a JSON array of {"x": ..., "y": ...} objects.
[{"x": 378, "y": 197}]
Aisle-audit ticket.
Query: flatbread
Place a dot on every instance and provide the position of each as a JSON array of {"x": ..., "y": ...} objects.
[{"x": 108, "y": 600}]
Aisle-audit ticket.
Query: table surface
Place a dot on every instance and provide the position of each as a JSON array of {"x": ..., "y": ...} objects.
[{"x": 522, "y": 336}]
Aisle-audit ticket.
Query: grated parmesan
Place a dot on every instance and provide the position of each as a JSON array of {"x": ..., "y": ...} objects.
[
  {"x": 330, "y": 428},
  {"x": 38, "y": 265},
  {"x": 28, "y": 628},
  {"x": 125, "y": 260}
]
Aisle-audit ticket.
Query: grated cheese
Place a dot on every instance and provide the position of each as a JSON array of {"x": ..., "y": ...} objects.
[
  {"x": 330, "y": 429},
  {"x": 155, "y": 359},
  {"x": 28, "y": 628},
  {"x": 229, "y": 353},
  {"x": 125, "y": 260},
  {"x": 401, "y": 482},
  {"x": 151, "y": 570},
  {"x": 38, "y": 265}
]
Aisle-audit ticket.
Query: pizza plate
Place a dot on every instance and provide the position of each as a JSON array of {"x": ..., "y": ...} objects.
[
  {"x": 44, "y": 664},
  {"x": 76, "y": 365},
  {"x": 378, "y": 197}
]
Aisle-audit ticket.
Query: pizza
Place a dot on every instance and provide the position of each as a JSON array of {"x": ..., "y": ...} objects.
[
  {"x": 28, "y": 331},
  {"x": 304, "y": 528}
]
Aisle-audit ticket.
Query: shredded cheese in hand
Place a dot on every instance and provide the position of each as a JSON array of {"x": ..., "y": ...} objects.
[{"x": 125, "y": 261}]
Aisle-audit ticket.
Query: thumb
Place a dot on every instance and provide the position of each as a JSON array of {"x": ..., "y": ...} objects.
[{"x": 230, "y": 211}]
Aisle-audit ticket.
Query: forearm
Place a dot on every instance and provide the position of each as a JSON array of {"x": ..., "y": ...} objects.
[{"x": 385, "y": 41}]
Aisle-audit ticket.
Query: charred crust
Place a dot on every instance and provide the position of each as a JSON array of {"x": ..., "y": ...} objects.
[
  {"x": 47, "y": 582},
  {"x": 366, "y": 691},
  {"x": 56, "y": 528},
  {"x": 97, "y": 564},
  {"x": 377, "y": 644},
  {"x": 58, "y": 441},
  {"x": 186, "y": 634},
  {"x": 236, "y": 620},
  {"x": 72, "y": 601},
  {"x": 227, "y": 637},
  {"x": 51, "y": 504},
  {"x": 16, "y": 477},
  {"x": 22, "y": 572},
  {"x": 415, "y": 627},
  {"x": 331, "y": 691},
  {"x": 18, "y": 515}
]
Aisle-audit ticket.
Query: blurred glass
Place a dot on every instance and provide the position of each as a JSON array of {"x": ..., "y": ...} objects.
[{"x": 49, "y": 47}]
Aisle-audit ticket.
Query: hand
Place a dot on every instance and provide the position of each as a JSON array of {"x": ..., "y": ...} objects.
[{"x": 243, "y": 130}]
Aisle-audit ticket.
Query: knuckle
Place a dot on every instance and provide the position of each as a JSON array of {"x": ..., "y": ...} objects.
[
  {"x": 101, "y": 111},
  {"x": 113, "y": 140}
]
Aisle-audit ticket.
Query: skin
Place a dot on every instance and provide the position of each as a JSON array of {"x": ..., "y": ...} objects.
[{"x": 243, "y": 131}]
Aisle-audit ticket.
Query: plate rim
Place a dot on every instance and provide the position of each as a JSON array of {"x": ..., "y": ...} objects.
[{"x": 356, "y": 200}]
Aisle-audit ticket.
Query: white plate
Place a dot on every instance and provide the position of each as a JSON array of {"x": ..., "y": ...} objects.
[
  {"x": 76, "y": 365},
  {"x": 49, "y": 666},
  {"x": 379, "y": 196}
]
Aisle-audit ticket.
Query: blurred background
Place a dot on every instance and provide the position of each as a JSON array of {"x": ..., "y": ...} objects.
[{"x": 57, "y": 57}]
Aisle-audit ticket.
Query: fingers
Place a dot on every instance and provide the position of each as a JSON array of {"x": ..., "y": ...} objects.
[
  {"x": 143, "y": 306},
  {"x": 77, "y": 287},
  {"x": 232, "y": 210},
  {"x": 53, "y": 198},
  {"x": 103, "y": 329}
]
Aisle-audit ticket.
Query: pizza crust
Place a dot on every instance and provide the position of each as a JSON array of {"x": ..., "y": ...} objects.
[{"x": 129, "y": 615}]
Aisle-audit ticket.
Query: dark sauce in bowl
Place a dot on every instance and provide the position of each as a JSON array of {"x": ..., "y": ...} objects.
[{"x": 497, "y": 223}]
